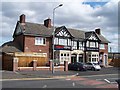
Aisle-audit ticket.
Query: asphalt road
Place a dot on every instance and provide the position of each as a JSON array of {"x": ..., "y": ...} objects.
[
  {"x": 88, "y": 79},
  {"x": 110, "y": 70},
  {"x": 55, "y": 83}
]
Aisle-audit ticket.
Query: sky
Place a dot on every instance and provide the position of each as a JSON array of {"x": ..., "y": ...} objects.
[{"x": 86, "y": 15}]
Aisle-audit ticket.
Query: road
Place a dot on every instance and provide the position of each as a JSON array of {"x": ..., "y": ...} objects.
[{"x": 89, "y": 79}]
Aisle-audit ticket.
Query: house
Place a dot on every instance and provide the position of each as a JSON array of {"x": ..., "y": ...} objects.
[{"x": 33, "y": 41}]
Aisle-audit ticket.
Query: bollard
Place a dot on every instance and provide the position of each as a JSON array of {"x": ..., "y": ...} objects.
[
  {"x": 15, "y": 64},
  {"x": 50, "y": 63},
  {"x": 65, "y": 65},
  {"x": 34, "y": 65}
]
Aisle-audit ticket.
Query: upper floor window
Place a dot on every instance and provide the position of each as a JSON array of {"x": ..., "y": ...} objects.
[
  {"x": 56, "y": 41},
  {"x": 102, "y": 46},
  {"x": 92, "y": 44},
  {"x": 81, "y": 45},
  {"x": 40, "y": 41},
  {"x": 62, "y": 41},
  {"x": 74, "y": 44}
]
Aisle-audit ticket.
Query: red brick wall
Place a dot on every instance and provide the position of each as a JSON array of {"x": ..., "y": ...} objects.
[
  {"x": 20, "y": 41},
  {"x": 104, "y": 50},
  {"x": 29, "y": 46}
]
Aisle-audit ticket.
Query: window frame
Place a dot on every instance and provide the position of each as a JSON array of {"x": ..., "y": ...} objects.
[{"x": 38, "y": 42}]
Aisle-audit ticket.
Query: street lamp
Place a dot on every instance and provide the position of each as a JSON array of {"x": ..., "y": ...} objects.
[{"x": 54, "y": 34}]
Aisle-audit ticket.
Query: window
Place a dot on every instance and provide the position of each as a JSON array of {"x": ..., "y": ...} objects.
[
  {"x": 93, "y": 57},
  {"x": 56, "y": 41},
  {"x": 87, "y": 43},
  {"x": 62, "y": 41},
  {"x": 69, "y": 42},
  {"x": 40, "y": 41},
  {"x": 97, "y": 44},
  {"x": 92, "y": 44},
  {"x": 74, "y": 44},
  {"x": 102, "y": 46}
]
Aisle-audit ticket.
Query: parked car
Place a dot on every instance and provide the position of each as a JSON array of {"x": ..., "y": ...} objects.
[
  {"x": 77, "y": 66},
  {"x": 93, "y": 66}
]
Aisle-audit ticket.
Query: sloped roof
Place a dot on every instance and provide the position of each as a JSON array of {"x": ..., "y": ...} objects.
[
  {"x": 77, "y": 33},
  {"x": 10, "y": 47},
  {"x": 41, "y": 30},
  {"x": 37, "y": 29},
  {"x": 103, "y": 39}
]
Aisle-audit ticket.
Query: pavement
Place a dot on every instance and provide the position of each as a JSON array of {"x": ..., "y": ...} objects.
[
  {"x": 28, "y": 75},
  {"x": 59, "y": 78},
  {"x": 44, "y": 74}
]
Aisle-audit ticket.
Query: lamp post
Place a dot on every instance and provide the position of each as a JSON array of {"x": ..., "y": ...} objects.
[{"x": 54, "y": 34}]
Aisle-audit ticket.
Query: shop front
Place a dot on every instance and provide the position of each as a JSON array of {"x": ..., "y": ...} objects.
[{"x": 77, "y": 56}]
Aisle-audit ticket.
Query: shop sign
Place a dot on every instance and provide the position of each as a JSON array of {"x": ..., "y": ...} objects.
[
  {"x": 92, "y": 49},
  {"x": 62, "y": 47}
]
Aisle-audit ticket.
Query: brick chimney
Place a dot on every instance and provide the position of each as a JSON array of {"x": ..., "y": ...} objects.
[
  {"x": 22, "y": 19},
  {"x": 98, "y": 31},
  {"x": 47, "y": 23}
]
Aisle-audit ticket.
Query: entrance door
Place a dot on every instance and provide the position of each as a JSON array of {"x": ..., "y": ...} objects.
[
  {"x": 73, "y": 58},
  {"x": 105, "y": 60},
  {"x": 80, "y": 57}
]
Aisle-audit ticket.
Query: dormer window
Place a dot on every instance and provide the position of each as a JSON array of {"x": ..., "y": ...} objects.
[{"x": 40, "y": 41}]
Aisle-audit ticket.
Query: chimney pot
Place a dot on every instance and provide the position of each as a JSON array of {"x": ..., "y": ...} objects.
[
  {"x": 47, "y": 23},
  {"x": 22, "y": 19},
  {"x": 98, "y": 31}
]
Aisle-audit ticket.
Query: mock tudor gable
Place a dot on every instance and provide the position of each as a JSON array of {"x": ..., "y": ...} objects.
[{"x": 62, "y": 32}]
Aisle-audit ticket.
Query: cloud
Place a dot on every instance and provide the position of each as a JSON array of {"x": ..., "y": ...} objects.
[{"x": 71, "y": 14}]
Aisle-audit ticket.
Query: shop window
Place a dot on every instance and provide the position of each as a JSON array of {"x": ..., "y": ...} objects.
[
  {"x": 68, "y": 54},
  {"x": 64, "y": 54},
  {"x": 89, "y": 59},
  {"x": 93, "y": 59}
]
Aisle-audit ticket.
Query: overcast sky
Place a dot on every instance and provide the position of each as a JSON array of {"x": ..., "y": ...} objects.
[{"x": 84, "y": 15}]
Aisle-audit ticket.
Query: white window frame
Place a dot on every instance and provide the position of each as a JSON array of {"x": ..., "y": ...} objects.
[
  {"x": 92, "y": 44},
  {"x": 40, "y": 41},
  {"x": 62, "y": 41},
  {"x": 74, "y": 44},
  {"x": 56, "y": 40},
  {"x": 102, "y": 46}
]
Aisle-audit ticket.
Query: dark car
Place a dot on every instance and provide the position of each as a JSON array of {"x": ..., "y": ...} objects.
[{"x": 77, "y": 66}]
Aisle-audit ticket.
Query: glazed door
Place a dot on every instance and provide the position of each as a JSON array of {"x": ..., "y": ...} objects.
[
  {"x": 73, "y": 58},
  {"x": 80, "y": 57}
]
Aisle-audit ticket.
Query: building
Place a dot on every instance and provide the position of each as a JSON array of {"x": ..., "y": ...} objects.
[{"x": 33, "y": 39}]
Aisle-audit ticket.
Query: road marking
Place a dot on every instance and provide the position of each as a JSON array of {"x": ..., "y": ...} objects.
[
  {"x": 68, "y": 79},
  {"x": 107, "y": 80},
  {"x": 98, "y": 75},
  {"x": 26, "y": 79},
  {"x": 73, "y": 84},
  {"x": 44, "y": 86}
]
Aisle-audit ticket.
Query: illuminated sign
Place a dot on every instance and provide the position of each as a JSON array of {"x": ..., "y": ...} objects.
[{"x": 62, "y": 47}]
